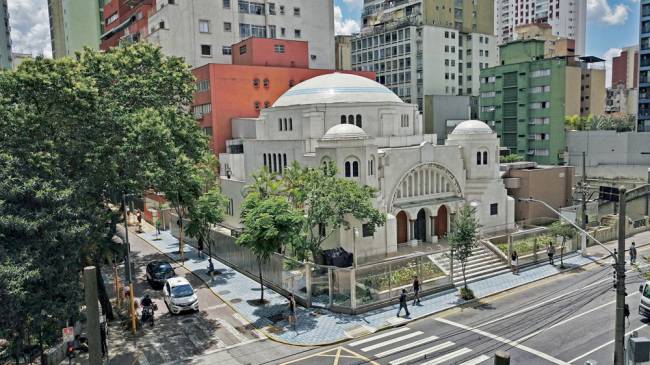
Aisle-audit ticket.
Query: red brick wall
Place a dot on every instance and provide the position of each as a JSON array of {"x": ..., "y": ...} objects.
[
  {"x": 261, "y": 52},
  {"x": 124, "y": 12},
  {"x": 619, "y": 69}
]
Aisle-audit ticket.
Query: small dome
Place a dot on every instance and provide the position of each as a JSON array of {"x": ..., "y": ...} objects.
[
  {"x": 472, "y": 127},
  {"x": 337, "y": 88},
  {"x": 344, "y": 132}
]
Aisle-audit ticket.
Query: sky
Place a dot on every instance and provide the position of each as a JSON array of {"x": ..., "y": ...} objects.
[{"x": 611, "y": 25}]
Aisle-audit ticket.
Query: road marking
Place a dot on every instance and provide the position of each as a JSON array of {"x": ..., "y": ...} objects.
[
  {"x": 225, "y": 348},
  {"x": 391, "y": 341},
  {"x": 447, "y": 357},
  {"x": 407, "y": 346},
  {"x": 603, "y": 345},
  {"x": 416, "y": 355},
  {"x": 476, "y": 360},
  {"x": 382, "y": 335},
  {"x": 504, "y": 340},
  {"x": 327, "y": 353}
]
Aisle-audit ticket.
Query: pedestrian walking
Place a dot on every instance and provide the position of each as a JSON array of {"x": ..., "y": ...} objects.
[
  {"x": 157, "y": 226},
  {"x": 626, "y": 313},
  {"x": 514, "y": 259},
  {"x": 200, "y": 247},
  {"x": 138, "y": 216},
  {"x": 102, "y": 334},
  {"x": 211, "y": 269},
  {"x": 402, "y": 304},
  {"x": 550, "y": 251},
  {"x": 633, "y": 254},
  {"x": 416, "y": 290},
  {"x": 292, "y": 311}
]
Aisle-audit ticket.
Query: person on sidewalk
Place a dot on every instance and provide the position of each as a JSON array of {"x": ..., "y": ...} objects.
[
  {"x": 211, "y": 269},
  {"x": 514, "y": 259},
  {"x": 416, "y": 290},
  {"x": 138, "y": 216},
  {"x": 633, "y": 254},
  {"x": 402, "y": 304},
  {"x": 292, "y": 311},
  {"x": 200, "y": 247},
  {"x": 550, "y": 251}
]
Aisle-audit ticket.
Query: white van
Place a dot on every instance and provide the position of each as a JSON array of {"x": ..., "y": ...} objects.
[{"x": 644, "y": 304}]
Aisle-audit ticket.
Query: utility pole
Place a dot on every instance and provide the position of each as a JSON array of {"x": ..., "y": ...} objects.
[
  {"x": 127, "y": 272},
  {"x": 584, "y": 191},
  {"x": 619, "y": 331}
]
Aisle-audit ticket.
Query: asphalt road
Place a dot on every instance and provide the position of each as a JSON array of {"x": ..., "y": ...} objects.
[{"x": 566, "y": 319}]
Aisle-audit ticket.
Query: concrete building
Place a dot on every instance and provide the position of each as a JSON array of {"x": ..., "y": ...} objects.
[
  {"x": 343, "y": 52},
  {"x": 643, "y": 116},
  {"x": 621, "y": 100},
  {"x": 552, "y": 184},
  {"x": 567, "y": 18},
  {"x": 442, "y": 113},
  {"x": 527, "y": 98},
  {"x": 125, "y": 21},
  {"x": 262, "y": 70},
  {"x": 202, "y": 31},
  {"x": 417, "y": 49},
  {"x": 625, "y": 68},
  {"x": 18, "y": 58},
  {"x": 593, "y": 93},
  {"x": 375, "y": 139},
  {"x": 5, "y": 36},
  {"x": 74, "y": 24}
]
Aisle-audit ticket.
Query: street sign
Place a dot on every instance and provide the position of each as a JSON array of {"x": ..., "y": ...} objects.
[{"x": 68, "y": 334}]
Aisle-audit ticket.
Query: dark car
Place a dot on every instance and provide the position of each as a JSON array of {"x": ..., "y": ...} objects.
[{"x": 158, "y": 272}]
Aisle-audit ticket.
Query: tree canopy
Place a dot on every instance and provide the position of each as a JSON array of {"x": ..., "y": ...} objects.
[{"x": 463, "y": 238}]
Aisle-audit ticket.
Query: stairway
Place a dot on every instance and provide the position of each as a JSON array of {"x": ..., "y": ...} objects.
[{"x": 482, "y": 264}]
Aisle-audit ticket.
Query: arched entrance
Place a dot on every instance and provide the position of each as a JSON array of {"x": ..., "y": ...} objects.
[
  {"x": 421, "y": 226},
  {"x": 402, "y": 222},
  {"x": 441, "y": 222}
]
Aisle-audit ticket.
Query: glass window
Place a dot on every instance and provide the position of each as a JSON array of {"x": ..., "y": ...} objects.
[
  {"x": 296, "y": 11},
  {"x": 368, "y": 230},
  {"x": 227, "y": 27},
  {"x": 225, "y": 50},
  {"x": 204, "y": 26},
  {"x": 226, "y": 4},
  {"x": 494, "y": 209},
  {"x": 206, "y": 50},
  {"x": 279, "y": 48},
  {"x": 297, "y": 33}
]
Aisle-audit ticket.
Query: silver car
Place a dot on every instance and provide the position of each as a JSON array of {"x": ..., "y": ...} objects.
[{"x": 179, "y": 296}]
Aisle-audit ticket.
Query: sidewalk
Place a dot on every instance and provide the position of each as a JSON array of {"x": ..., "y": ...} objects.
[{"x": 319, "y": 326}]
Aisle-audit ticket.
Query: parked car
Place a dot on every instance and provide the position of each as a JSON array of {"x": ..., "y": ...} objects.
[
  {"x": 179, "y": 296},
  {"x": 158, "y": 272},
  {"x": 644, "y": 303}
]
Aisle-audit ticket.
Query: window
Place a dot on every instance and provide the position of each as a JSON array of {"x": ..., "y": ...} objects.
[
  {"x": 540, "y": 89},
  {"x": 283, "y": 32},
  {"x": 355, "y": 169},
  {"x": 541, "y": 73},
  {"x": 279, "y": 48},
  {"x": 230, "y": 210},
  {"x": 227, "y": 27},
  {"x": 290, "y": 127},
  {"x": 281, "y": 9},
  {"x": 200, "y": 110},
  {"x": 204, "y": 26},
  {"x": 348, "y": 169},
  {"x": 272, "y": 31},
  {"x": 368, "y": 230},
  {"x": 248, "y": 30},
  {"x": 488, "y": 94},
  {"x": 203, "y": 85},
  {"x": 266, "y": 83},
  {"x": 343, "y": 119},
  {"x": 112, "y": 18},
  {"x": 256, "y": 82},
  {"x": 242, "y": 50},
  {"x": 485, "y": 158},
  {"x": 296, "y": 33},
  {"x": 206, "y": 50},
  {"x": 478, "y": 158},
  {"x": 271, "y": 8},
  {"x": 494, "y": 209},
  {"x": 321, "y": 230},
  {"x": 226, "y": 50},
  {"x": 280, "y": 124},
  {"x": 359, "y": 120},
  {"x": 251, "y": 8},
  {"x": 296, "y": 11},
  {"x": 226, "y": 4},
  {"x": 351, "y": 168},
  {"x": 284, "y": 123}
]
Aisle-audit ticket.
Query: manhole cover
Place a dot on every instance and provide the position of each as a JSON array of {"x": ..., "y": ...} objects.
[
  {"x": 236, "y": 300},
  {"x": 224, "y": 292}
]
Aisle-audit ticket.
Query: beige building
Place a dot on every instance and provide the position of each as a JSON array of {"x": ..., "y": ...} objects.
[
  {"x": 593, "y": 94},
  {"x": 342, "y": 52},
  {"x": 467, "y": 16},
  {"x": 554, "y": 46},
  {"x": 552, "y": 184}
]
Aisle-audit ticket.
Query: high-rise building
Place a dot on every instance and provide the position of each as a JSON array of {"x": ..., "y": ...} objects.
[
  {"x": 526, "y": 99},
  {"x": 74, "y": 24},
  {"x": 567, "y": 18},
  {"x": 5, "y": 36},
  {"x": 625, "y": 68},
  {"x": 342, "y": 52},
  {"x": 643, "y": 116},
  {"x": 426, "y": 47},
  {"x": 125, "y": 21},
  {"x": 593, "y": 93},
  {"x": 202, "y": 31}
]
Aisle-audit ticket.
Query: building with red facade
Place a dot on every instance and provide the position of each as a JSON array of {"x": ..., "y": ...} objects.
[
  {"x": 263, "y": 69},
  {"x": 625, "y": 68},
  {"x": 125, "y": 21}
]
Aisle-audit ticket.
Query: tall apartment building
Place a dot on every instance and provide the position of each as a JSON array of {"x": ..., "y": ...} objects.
[
  {"x": 625, "y": 68},
  {"x": 593, "y": 93},
  {"x": 426, "y": 47},
  {"x": 74, "y": 24},
  {"x": 567, "y": 18},
  {"x": 342, "y": 52},
  {"x": 643, "y": 116},
  {"x": 5, "y": 36},
  {"x": 526, "y": 98},
  {"x": 202, "y": 31},
  {"x": 125, "y": 21}
]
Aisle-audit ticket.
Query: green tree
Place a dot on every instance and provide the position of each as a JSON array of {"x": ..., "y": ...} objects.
[
  {"x": 511, "y": 158},
  {"x": 268, "y": 223},
  {"x": 208, "y": 211},
  {"x": 579, "y": 123},
  {"x": 463, "y": 238},
  {"x": 565, "y": 231}
]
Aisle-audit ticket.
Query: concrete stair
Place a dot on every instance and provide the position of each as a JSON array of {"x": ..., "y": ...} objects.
[{"x": 482, "y": 264}]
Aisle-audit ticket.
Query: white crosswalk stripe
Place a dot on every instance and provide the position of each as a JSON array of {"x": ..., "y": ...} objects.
[
  {"x": 447, "y": 357},
  {"x": 391, "y": 341},
  {"x": 476, "y": 360},
  {"x": 411, "y": 345},
  {"x": 382, "y": 335},
  {"x": 422, "y": 353}
]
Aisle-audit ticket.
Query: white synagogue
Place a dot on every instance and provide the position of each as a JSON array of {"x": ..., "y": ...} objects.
[{"x": 375, "y": 139}]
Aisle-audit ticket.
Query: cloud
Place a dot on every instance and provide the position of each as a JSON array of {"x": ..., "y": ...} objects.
[
  {"x": 602, "y": 11},
  {"x": 608, "y": 55},
  {"x": 354, "y": 3},
  {"x": 344, "y": 26},
  {"x": 30, "y": 27}
]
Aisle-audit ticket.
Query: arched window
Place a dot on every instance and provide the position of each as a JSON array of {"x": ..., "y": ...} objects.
[
  {"x": 478, "y": 157},
  {"x": 355, "y": 168},
  {"x": 485, "y": 160},
  {"x": 348, "y": 169},
  {"x": 280, "y": 123},
  {"x": 350, "y": 119},
  {"x": 290, "y": 124},
  {"x": 359, "y": 120},
  {"x": 343, "y": 119},
  {"x": 285, "y": 124}
]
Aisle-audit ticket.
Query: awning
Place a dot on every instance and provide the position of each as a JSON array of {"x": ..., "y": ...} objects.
[{"x": 119, "y": 28}]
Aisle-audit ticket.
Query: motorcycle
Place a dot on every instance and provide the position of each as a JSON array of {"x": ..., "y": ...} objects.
[{"x": 147, "y": 314}]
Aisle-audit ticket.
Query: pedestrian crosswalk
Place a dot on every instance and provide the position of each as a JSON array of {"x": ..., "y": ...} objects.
[{"x": 404, "y": 346}]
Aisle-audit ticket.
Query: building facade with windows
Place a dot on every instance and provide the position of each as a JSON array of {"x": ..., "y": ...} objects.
[
  {"x": 593, "y": 93},
  {"x": 426, "y": 47},
  {"x": 202, "y": 31},
  {"x": 342, "y": 52},
  {"x": 643, "y": 116},
  {"x": 262, "y": 70},
  {"x": 125, "y": 21},
  {"x": 375, "y": 139},
  {"x": 5, "y": 36},
  {"x": 526, "y": 99},
  {"x": 567, "y": 18},
  {"x": 74, "y": 24}
]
